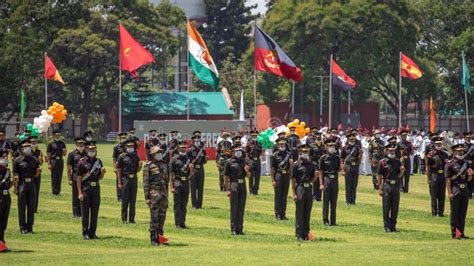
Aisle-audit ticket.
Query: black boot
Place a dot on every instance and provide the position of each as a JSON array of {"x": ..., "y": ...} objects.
[{"x": 153, "y": 238}]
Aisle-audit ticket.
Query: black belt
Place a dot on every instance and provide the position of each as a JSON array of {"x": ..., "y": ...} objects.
[
  {"x": 91, "y": 184},
  {"x": 181, "y": 178},
  {"x": 240, "y": 181},
  {"x": 331, "y": 176},
  {"x": 460, "y": 185},
  {"x": 391, "y": 181},
  {"x": 5, "y": 192},
  {"x": 305, "y": 184},
  {"x": 282, "y": 171},
  {"x": 198, "y": 166},
  {"x": 130, "y": 176},
  {"x": 28, "y": 180}
]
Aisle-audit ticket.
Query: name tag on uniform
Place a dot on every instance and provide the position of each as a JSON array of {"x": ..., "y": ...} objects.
[
  {"x": 198, "y": 166},
  {"x": 93, "y": 184},
  {"x": 440, "y": 171},
  {"x": 462, "y": 185},
  {"x": 240, "y": 181},
  {"x": 27, "y": 180},
  {"x": 5, "y": 192}
]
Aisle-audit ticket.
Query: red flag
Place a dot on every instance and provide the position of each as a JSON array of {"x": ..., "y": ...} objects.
[
  {"x": 409, "y": 68},
  {"x": 132, "y": 54},
  {"x": 432, "y": 116},
  {"x": 340, "y": 78},
  {"x": 50, "y": 71}
]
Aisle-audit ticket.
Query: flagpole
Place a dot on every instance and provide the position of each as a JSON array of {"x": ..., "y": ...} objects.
[
  {"x": 399, "y": 89},
  {"x": 321, "y": 104},
  {"x": 293, "y": 99},
  {"x": 349, "y": 107},
  {"x": 330, "y": 93},
  {"x": 465, "y": 97},
  {"x": 254, "y": 81},
  {"x": 120, "y": 94},
  {"x": 187, "y": 68},
  {"x": 45, "y": 87}
]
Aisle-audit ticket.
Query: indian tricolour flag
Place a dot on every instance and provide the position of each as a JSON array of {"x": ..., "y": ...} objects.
[{"x": 200, "y": 60}]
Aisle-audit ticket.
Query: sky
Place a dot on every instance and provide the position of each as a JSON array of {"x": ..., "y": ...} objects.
[{"x": 261, "y": 5}]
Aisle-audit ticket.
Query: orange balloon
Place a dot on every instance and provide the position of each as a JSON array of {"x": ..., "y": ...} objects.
[{"x": 64, "y": 112}]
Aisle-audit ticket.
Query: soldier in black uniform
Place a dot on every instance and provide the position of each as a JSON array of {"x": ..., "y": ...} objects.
[
  {"x": 223, "y": 151},
  {"x": 117, "y": 150},
  {"x": 391, "y": 171},
  {"x": 351, "y": 155},
  {"x": 15, "y": 146},
  {"x": 25, "y": 169},
  {"x": 198, "y": 156},
  {"x": 469, "y": 157},
  {"x": 293, "y": 142},
  {"x": 128, "y": 166},
  {"x": 330, "y": 165},
  {"x": 4, "y": 145},
  {"x": 73, "y": 159},
  {"x": 376, "y": 153},
  {"x": 55, "y": 152},
  {"x": 253, "y": 150},
  {"x": 406, "y": 150},
  {"x": 280, "y": 162},
  {"x": 437, "y": 159},
  {"x": 180, "y": 170},
  {"x": 155, "y": 179},
  {"x": 303, "y": 175},
  {"x": 235, "y": 171},
  {"x": 152, "y": 141},
  {"x": 88, "y": 136},
  {"x": 90, "y": 171},
  {"x": 136, "y": 140},
  {"x": 317, "y": 149},
  {"x": 173, "y": 144},
  {"x": 5, "y": 200},
  {"x": 38, "y": 154},
  {"x": 458, "y": 174}
]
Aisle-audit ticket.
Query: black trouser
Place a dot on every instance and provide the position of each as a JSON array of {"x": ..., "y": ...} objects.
[
  {"x": 352, "y": 179},
  {"x": 416, "y": 164},
  {"x": 238, "y": 198},
  {"x": 119, "y": 191},
  {"x": 197, "y": 186},
  {"x": 180, "y": 198},
  {"x": 422, "y": 166},
  {"x": 37, "y": 185},
  {"x": 330, "y": 193},
  {"x": 437, "y": 193},
  {"x": 5, "y": 202},
  {"x": 406, "y": 175},
  {"x": 374, "y": 167},
  {"x": 90, "y": 209},
  {"x": 254, "y": 179},
  {"x": 304, "y": 204},
  {"x": 76, "y": 203},
  {"x": 129, "y": 197},
  {"x": 221, "y": 179},
  {"x": 459, "y": 206},
  {"x": 26, "y": 205},
  {"x": 57, "y": 167},
  {"x": 390, "y": 203},
  {"x": 316, "y": 191},
  {"x": 281, "y": 193},
  {"x": 470, "y": 188}
]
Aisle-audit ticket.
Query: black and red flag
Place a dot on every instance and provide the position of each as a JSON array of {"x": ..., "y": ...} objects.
[
  {"x": 269, "y": 57},
  {"x": 340, "y": 78}
]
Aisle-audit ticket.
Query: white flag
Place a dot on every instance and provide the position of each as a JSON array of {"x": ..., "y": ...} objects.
[{"x": 242, "y": 113}]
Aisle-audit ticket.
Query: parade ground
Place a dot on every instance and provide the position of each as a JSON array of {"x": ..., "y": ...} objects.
[{"x": 359, "y": 237}]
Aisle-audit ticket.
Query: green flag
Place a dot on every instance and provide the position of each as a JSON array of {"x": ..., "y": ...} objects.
[
  {"x": 466, "y": 77},
  {"x": 22, "y": 105}
]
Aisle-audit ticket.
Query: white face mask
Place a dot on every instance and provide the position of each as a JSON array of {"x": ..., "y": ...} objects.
[
  {"x": 158, "y": 156},
  {"x": 162, "y": 142},
  {"x": 3, "y": 162},
  {"x": 89, "y": 139},
  {"x": 437, "y": 147},
  {"x": 305, "y": 156},
  {"x": 377, "y": 136},
  {"x": 383, "y": 135},
  {"x": 238, "y": 154},
  {"x": 80, "y": 148},
  {"x": 182, "y": 153},
  {"x": 459, "y": 156},
  {"x": 26, "y": 150},
  {"x": 281, "y": 148},
  {"x": 91, "y": 153},
  {"x": 130, "y": 150},
  {"x": 332, "y": 150},
  {"x": 197, "y": 142},
  {"x": 391, "y": 155},
  {"x": 34, "y": 146}
]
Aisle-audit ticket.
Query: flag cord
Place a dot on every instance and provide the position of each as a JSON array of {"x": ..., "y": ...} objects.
[
  {"x": 330, "y": 94},
  {"x": 400, "y": 90}
]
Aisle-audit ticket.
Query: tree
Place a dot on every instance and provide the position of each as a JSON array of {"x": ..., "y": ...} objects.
[{"x": 227, "y": 28}]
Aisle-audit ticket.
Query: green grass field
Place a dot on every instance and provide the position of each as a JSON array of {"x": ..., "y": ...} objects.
[{"x": 359, "y": 238}]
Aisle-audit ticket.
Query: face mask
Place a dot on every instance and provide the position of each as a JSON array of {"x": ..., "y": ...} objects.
[
  {"x": 152, "y": 136},
  {"x": 80, "y": 148},
  {"x": 459, "y": 156},
  {"x": 33, "y": 146},
  {"x": 305, "y": 156},
  {"x": 292, "y": 131},
  {"x": 318, "y": 140},
  {"x": 89, "y": 139},
  {"x": 158, "y": 156},
  {"x": 130, "y": 150},
  {"x": 131, "y": 134},
  {"x": 122, "y": 140},
  {"x": 391, "y": 155},
  {"x": 225, "y": 138},
  {"x": 162, "y": 142},
  {"x": 175, "y": 137},
  {"x": 182, "y": 153},
  {"x": 26, "y": 150},
  {"x": 238, "y": 154},
  {"x": 91, "y": 153},
  {"x": 281, "y": 148},
  {"x": 377, "y": 136},
  {"x": 3, "y": 162},
  {"x": 197, "y": 142},
  {"x": 332, "y": 150},
  {"x": 383, "y": 135},
  {"x": 437, "y": 147},
  {"x": 422, "y": 133}
]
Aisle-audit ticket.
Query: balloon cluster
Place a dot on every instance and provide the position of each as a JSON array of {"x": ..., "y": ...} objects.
[
  {"x": 300, "y": 128},
  {"x": 34, "y": 132},
  {"x": 265, "y": 138},
  {"x": 58, "y": 112},
  {"x": 42, "y": 122}
]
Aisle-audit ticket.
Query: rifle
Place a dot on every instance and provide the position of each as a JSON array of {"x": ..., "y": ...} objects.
[
  {"x": 185, "y": 167},
  {"x": 346, "y": 160},
  {"x": 201, "y": 151},
  {"x": 282, "y": 163},
  {"x": 461, "y": 171},
  {"x": 97, "y": 166}
]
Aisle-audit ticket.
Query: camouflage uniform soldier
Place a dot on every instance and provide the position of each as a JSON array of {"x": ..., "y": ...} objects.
[
  {"x": 376, "y": 147},
  {"x": 155, "y": 175}
]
